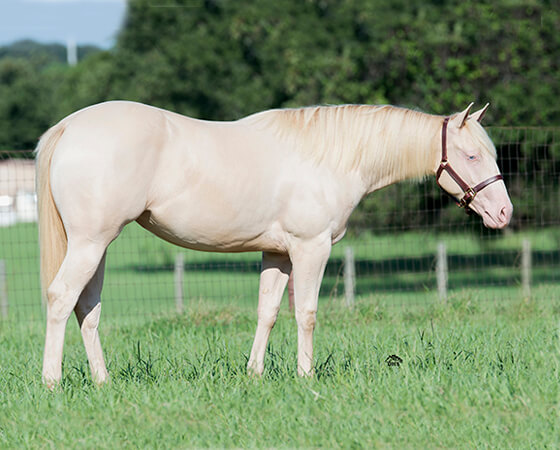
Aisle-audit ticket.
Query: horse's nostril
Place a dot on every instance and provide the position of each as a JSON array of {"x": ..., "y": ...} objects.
[{"x": 505, "y": 215}]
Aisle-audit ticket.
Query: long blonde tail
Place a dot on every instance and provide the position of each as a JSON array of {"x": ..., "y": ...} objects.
[{"x": 52, "y": 235}]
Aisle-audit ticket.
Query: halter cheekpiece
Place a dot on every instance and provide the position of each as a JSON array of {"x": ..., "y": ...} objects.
[{"x": 469, "y": 192}]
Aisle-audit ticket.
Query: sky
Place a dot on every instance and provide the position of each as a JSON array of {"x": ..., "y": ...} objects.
[{"x": 83, "y": 21}]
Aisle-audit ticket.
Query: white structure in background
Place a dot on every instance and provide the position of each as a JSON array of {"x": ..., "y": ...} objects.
[
  {"x": 71, "y": 52},
  {"x": 18, "y": 202}
]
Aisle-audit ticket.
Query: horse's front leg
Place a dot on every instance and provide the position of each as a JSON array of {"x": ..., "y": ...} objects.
[
  {"x": 309, "y": 260},
  {"x": 275, "y": 272}
]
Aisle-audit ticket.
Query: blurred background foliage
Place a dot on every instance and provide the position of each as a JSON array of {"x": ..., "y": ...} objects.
[{"x": 223, "y": 59}]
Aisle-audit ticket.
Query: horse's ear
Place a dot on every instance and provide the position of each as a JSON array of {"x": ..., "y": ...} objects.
[
  {"x": 462, "y": 117},
  {"x": 479, "y": 114}
]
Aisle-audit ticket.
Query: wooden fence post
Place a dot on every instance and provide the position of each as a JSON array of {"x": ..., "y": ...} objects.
[
  {"x": 178, "y": 277},
  {"x": 526, "y": 268},
  {"x": 3, "y": 291},
  {"x": 291, "y": 295},
  {"x": 442, "y": 271},
  {"x": 349, "y": 276}
]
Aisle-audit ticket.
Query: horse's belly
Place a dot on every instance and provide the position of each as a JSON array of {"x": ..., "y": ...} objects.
[{"x": 214, "y": 235}]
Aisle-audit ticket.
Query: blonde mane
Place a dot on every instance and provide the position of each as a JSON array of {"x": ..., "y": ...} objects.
[{"x": 382, "y": 141}]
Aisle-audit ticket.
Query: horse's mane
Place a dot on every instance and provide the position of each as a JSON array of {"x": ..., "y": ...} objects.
[{"x": 386, "y": 141}]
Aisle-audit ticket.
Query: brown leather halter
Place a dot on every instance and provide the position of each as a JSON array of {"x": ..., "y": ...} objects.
[{"x": 469, "y": 192}]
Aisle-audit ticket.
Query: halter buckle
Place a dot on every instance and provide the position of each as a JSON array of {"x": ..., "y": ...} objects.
[{"x": 469, "y": 196}]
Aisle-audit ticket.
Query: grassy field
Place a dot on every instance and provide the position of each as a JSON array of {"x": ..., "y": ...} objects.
[
  {"x": 480, "y": 371},
  {"x": 473, "y": 375},
  {"x": 397, "y": 268}
]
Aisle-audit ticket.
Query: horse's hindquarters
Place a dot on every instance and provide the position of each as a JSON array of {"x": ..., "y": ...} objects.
[{"x": 102, "y": 170}]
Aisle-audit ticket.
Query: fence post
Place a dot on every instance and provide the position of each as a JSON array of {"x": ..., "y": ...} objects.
[
  {"x": 349, "y": 276},
  {"x": 3, "y": 291},
  {"x": 178, "y": 277},
  {"x": 441, "y": 270},
  {"x": 526, "y": 268},
  {"x": 291, "y": 292}
]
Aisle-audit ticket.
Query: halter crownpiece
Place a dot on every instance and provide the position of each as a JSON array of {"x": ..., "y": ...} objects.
[{"x": 469, "y": 192}]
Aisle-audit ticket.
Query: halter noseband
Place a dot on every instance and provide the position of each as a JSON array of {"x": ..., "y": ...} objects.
[{"x": 469, "y": 192}]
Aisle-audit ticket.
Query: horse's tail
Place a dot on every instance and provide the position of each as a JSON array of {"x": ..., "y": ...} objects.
[{"x": 52, "y": 235}]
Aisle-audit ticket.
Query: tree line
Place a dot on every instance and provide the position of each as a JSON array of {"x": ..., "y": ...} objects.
[{"x": 223, "y": 59}]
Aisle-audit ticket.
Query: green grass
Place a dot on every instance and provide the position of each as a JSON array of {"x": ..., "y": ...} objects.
[
  {"x": 473, "y": 375},
  {"x": 480, "y": 371},
  {"x": 399, "y": 268}
]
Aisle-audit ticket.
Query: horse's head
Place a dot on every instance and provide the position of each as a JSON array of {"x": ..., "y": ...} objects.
[{"x": 468, "y": 169}]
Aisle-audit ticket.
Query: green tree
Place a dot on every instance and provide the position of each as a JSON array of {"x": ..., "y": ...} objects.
[
  {"x": 24, "y": 105},
  {"x": 224, "y": 59},
  {"x": 220, "y": 59}
]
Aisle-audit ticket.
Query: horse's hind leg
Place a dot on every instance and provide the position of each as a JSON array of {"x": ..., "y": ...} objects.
[
  {"x": 79, "y": 266},
  {"x": 88, "y": 312}
]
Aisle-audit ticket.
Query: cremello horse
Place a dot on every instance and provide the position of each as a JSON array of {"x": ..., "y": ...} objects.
[{"x": 283, "y": 182}]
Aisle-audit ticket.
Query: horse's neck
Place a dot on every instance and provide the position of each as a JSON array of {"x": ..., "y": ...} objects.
[
  {"x": 380, "y": 144},
  {"x": 404, "y": 149}
]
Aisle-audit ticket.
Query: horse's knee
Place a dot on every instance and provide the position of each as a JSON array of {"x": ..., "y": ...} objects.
[
  {"x": 267, "y": 316},
  {"x": 55, "y": 292},
  {"x": 306, "y": 319},
  {"x": 59, "y": 305}
]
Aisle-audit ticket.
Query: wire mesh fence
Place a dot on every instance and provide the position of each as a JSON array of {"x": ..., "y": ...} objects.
[{"x": 407, "y": 244}]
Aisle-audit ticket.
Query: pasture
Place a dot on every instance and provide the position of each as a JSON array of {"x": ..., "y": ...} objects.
[
  {"x": 481, "y": 370},
  {"x": 398, "y": 268},
  {"x": 474, "y": 374}
]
